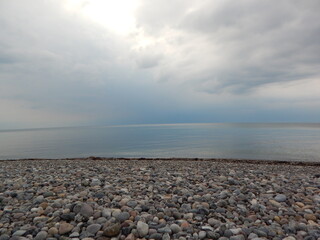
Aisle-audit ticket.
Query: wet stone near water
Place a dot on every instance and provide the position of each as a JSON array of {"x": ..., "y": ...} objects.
[{"x": 156, "y": 199}]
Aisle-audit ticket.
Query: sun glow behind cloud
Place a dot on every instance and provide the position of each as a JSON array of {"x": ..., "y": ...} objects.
[
  {"x": 140, "y": 61},
  {"x": 117, "y": 16}
]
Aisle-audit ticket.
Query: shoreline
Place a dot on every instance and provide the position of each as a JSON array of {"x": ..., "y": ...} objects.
[
  {"x": 220, "y": 160},
  {"x": 131, "y": 199}
]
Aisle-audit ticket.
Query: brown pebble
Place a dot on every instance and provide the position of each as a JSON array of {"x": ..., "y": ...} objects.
[
  {"x": 310, "y": 216},
  {"x": 52, "y": 231},
  {"x": 185, "y": 225},
  {"x": 44, "y": 205},
  {"x": 130, "y": 237},
  {"x": 300, "y": 204},
  {"x": 277, "y": 219},
  {"x": 65, "y": 228}
]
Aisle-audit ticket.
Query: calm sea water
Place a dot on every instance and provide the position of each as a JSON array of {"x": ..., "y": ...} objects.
[{"x": 242, "y": 141}]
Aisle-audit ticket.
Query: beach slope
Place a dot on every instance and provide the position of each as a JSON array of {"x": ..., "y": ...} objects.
[{"x": 158, "y": 199}]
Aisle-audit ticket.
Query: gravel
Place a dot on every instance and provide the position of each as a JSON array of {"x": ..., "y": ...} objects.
[{"x": 158, "y": 199}]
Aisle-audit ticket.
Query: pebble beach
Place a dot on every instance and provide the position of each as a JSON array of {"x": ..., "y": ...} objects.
[{"x": 158, "y": 199}]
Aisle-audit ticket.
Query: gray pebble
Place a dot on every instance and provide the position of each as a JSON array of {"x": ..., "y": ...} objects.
[{"x": 280, "y": 198}]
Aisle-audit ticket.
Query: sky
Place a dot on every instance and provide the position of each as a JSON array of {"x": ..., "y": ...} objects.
[{"x": 103, "y": 62}]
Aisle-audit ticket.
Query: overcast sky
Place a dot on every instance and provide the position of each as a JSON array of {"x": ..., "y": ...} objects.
[{"x": 100, "y": 62}]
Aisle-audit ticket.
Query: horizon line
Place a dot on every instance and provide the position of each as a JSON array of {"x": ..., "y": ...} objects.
[{"x": 147, "y": 124}]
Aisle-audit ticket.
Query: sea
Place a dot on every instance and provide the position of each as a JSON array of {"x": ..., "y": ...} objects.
[{"x": 256, "y": 141}]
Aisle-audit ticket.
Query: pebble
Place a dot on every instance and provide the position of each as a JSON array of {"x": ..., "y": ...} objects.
[
  {"x": 86, "y": 210},
  {"x": 65, "y": 228},
  {"x": 112, "y": 231},
  {"x": 275, "y": 203},
  {"x": 142, "y": 228},
  {"x": 310, "y": 217},
  {"x": 19, "y": 233},
  {"x": 93, "y": 228},
  {"x": 175, "y": 228},
  {"x": 52, "y": 231},
  {"x": 237, "y": 237},
  {"x": 166, "y": 236},
  {"x": 42, "y": 235},
  {"x": 122, "y": 216},
  {"x": 280, "y": 198},
  {"x": 202, "y": 234},
  {"x": 155, "y": 199}
]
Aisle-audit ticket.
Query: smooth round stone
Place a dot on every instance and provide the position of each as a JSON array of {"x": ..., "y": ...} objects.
[
  {"x": 101, "y": 220},
  {"x": 280, "y": 198},
  {"x": 116, "y": 212},
  {"x": 42, "y": 235},
  {"x": 38, "y": 199},
  {"x": 156, "y": 236},
  {"x": 106, "y": 213},
  {"x": 123, "y": 201},
  {"x": 214, "y": 222},
  {"x": 40, "y": 219},
  {"x": 131, "y": 237},
  {"x": 175, "y": 228},
  {"x": 207, "y": 228},
  {"x": 74, "y": 235},
  {"x": 112, "y": 231},
  {"x": 35, "y": 209},
  {"x": 260, "y": 233},
  {"x": 68, "y": 217},
  {"x": 185, "y": 225},
  {"x": 188, "y": 216},
  {"x": 275, "y": 203},
  {"x": 19, "y": 238},
  {"x": 65, "y": 228},
  {"x": 142, "y": 228},
  {"x": 212, "y": 235},
  {"x": 99, "y": 195},
  {"x": 237, "y": 237},
  {"x": 228, "y": 233},
  {"x": 93, "y": 228},
  {"x": 289, "y": 238},
  {"x": 18, "y": 215},
  {"x": 132, "y": 203},
  {"x": 123, "y": 216},
  {"x": 155, "y": 219},
  {"x": 166, "y": 236},
  {"x": 95, "y": 182},
  {"x": 19, "y": 233},
  {"x": 235, "y": 231},
  {"x": 152, "y": 231},
  {"x": 310, "y": 216},
  {"x": 48, "y": 194},
  {"x": 202, "y": 234},
  {"x": 165, "y": 230},
  {"x": 252, "y": 236},
  {"x": 7, "y": 237},
  {"x": 52, "y": 231},
  {"x": 221, "y": 210},
  {"x": 302, "y": 233},
  {"x": 86, "y": 210}
]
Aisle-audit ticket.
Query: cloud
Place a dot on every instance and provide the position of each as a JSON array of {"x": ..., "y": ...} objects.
[
  {"x": 186, "y": 61},
  {"x": 56, "y": 61},
  {"x": 235, "y": 46}
]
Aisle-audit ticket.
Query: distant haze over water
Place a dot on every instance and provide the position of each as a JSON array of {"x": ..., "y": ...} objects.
[{"x": 265, "y": 141}]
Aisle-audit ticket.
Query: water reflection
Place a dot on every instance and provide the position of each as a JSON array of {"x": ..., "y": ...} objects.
[{"x": 247, "y": 141}]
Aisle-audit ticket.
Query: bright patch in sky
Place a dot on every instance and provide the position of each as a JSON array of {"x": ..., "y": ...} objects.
[
  {"x": 97, "y": 62},
  {"x": 116, "y": 15}
]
